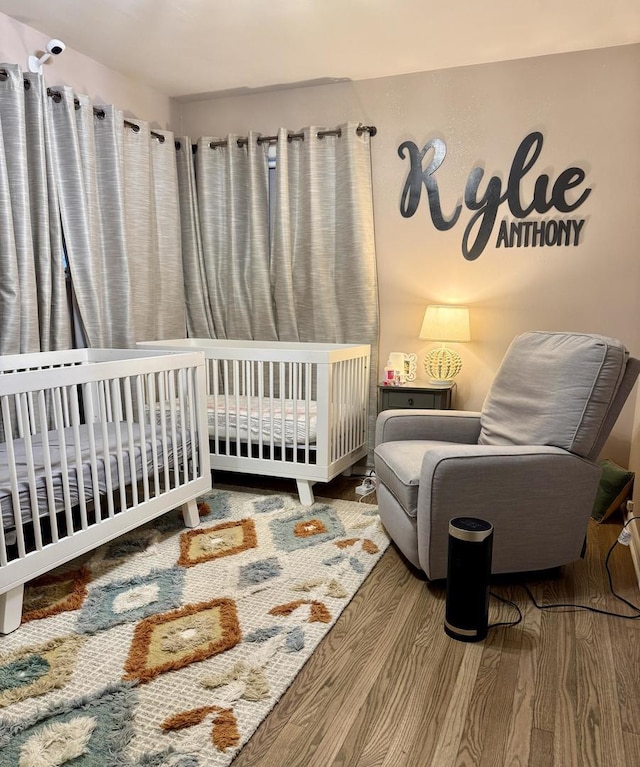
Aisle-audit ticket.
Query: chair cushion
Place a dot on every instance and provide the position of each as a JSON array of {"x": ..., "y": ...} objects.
[
  {"x": 398, "y": 465},
  {"x": 553, "y": 389}
]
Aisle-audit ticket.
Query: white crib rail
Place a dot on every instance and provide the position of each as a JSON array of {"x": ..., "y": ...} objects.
[
  {"x": 103, "y": 433},
  {"x": 277, "y": 400},
  {"x": 309, "y": 403}
]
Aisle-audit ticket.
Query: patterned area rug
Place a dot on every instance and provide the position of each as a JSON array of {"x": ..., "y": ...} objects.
[{"x": 169, "y": 646}]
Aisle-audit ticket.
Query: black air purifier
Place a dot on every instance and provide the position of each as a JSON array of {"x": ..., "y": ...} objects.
[{"x": 468, "y": 573}]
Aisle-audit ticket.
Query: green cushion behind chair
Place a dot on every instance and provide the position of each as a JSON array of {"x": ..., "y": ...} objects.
[{"x": 615, "y": 487}]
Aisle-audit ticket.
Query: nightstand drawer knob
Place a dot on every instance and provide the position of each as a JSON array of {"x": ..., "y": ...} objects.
[{"x": 411, "y": 401}]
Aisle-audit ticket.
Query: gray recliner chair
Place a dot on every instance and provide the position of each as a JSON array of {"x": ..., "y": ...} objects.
[{"x": 527, "y": 463}]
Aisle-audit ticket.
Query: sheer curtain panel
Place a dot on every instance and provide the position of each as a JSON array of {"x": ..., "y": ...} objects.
[{"x": 34, "y": 312}]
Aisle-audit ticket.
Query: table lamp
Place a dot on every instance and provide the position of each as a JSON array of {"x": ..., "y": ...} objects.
[{"x": 445, "y": 324}]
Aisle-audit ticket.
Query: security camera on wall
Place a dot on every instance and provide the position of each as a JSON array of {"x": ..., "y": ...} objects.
[{"x": 54, "y": 48}]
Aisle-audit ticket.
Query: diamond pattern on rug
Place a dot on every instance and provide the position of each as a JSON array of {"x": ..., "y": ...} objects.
[
  {"x": 38, "y": 669},
  {"x": 307, "y": 528},
  {"x": 197, "y": 546},
  {"x": 87, "y": 733},
  {"x": 317, "y": 613},
  {"x": 129, "y": 545},
  {"x": 219, "y": 506},
  {"x": 367, "y": 545},
  {"x": 226, "y": 671},
  {"x": 173, "y": 640},
  {"x": 258, "y": 572},
  {"x": 224, "y": 732},
  {"x": 55, "y": 593},
  {"x": 131, "y": 600},
  {"x": 269, "y": 504}
]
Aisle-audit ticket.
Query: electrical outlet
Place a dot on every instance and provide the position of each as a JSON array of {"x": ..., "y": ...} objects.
[{"x": 365, "y": 487}]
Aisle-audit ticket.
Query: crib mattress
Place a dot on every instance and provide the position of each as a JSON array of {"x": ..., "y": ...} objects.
[
  {"x": 270, "y": 419},
  {"x": 55, "y": 454}
]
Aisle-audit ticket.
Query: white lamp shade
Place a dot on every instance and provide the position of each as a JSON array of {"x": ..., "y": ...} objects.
[{"x": 445, "y": 323}]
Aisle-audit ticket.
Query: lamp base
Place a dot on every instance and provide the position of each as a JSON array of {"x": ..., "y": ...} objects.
[{"x": 442, "y": 365}]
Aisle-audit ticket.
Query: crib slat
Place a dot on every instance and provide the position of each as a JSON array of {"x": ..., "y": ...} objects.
[
  {"x": 307, "y": 411},
  {"x": 119, "y": 452},
  {"x": 78, "y": 467},
  {"x": 128, "y": 417},
  {"x": 105, "y": 409},
  {"x": 154, "y": 410},
  {"x": 143, "y": 431},
  {"x": 31, "y": 471},
  {"x": 162, "y": 394},
  {"x": 60, "y": 405},
  {"x": 227, "y": 403},
  {"x": 89, "y": 392},
  {"x": 184, "y": 410},
  {"x": 174, "y": 433},
  {"x": 13, "y": 479},
  {"x": 48, "y": 475}
]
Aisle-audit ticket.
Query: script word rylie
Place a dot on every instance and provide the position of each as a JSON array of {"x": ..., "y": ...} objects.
[{"x": 485, "y": 206}]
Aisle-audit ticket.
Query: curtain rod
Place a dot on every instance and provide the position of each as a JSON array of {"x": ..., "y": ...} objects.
[
  {"x": 100, "y": 114},
  {"x": 370, "y": 129},
  {"x": 243, "y": 141}
]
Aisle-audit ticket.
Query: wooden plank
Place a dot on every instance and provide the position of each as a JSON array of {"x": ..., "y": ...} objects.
[{"x": 387, "y": 687}]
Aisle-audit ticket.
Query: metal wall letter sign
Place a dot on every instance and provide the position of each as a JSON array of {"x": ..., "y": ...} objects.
[{"x": 484, "y": 207}]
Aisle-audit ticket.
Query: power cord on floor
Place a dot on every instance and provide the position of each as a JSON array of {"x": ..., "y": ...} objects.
[
  {"x": 511, "y": 604},
  {"x": 367, "y": 486},
  {"x": 623, "y": 539}
]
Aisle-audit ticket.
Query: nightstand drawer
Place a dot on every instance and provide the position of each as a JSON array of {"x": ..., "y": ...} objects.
[
  {"x": 419, "y": 397},
  {"x": 404, "y": 399}
]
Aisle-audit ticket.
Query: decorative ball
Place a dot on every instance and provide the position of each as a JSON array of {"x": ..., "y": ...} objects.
[{"x": 442, "y": 364}]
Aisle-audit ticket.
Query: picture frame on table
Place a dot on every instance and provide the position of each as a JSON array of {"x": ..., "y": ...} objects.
[{"x": 404, "y": 365}]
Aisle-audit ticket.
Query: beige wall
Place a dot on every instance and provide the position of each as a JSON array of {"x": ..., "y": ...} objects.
[
  {"x": 587, "y": 108},
  {"x": 86, "y": 76},
  {"x": 585, "y": 104}
]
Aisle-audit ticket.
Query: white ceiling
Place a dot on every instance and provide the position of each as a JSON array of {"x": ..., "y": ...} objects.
[{"x": 188, "y": 48}]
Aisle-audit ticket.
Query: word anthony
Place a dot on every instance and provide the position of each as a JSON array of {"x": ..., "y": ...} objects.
[{"x": 485, "y": 207}]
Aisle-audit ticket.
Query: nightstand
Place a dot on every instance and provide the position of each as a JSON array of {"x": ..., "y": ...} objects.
[{"x": 412, "y": 395}]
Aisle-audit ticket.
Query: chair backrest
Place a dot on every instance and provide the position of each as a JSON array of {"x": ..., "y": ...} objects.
[{"x": 561, "y": 389}]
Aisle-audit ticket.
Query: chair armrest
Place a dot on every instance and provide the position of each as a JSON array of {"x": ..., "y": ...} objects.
[
  {"x": 538, "y": 498},
  {"x": 441, "y": 425}
]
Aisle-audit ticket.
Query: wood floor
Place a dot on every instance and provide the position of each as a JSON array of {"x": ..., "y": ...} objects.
[{"x": 388, "y": 688}]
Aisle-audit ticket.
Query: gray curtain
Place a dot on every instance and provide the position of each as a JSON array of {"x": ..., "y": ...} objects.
[
  {"x": 231, "y": 255},
  {"x": 153, "y": 234},
  {"x": 198, "y": 307},
  {"x": 323, "y": 259},
  {"x": 34, "y": 312},
  {"x": 323, "y": 266},
  {"x": 304, "y": 270},
  {"x": 119, "y": 206}
]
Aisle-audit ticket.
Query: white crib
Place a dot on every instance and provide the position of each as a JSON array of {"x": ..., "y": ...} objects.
[
  {"x": 295, "y": 410},
  {"x": 93, "y": 443}
]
